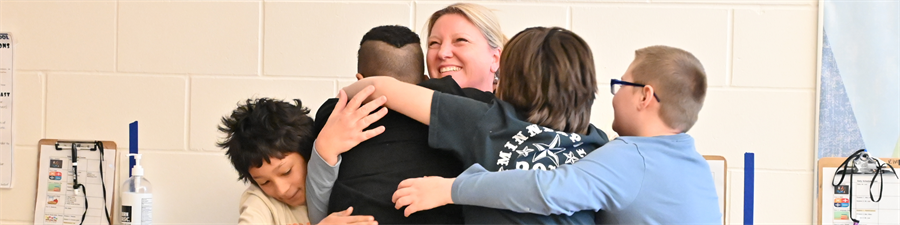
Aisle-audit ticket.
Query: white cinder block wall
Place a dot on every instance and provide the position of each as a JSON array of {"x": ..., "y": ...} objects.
[{"x": 85, "y": 69}]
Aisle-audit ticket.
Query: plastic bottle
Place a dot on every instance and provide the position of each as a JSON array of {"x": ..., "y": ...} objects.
[{"x": 137, "y": 199}]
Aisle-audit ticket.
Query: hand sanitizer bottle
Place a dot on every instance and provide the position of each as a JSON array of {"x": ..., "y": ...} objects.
[{"x": 137, "y": 200}]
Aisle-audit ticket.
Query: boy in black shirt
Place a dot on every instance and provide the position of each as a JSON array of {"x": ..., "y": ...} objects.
[{"x": 369, "y": 174}]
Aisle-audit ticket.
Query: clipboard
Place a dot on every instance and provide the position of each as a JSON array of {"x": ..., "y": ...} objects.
[
  {"x": 719, "y": 166},
  {"x": 834, "y": 162},
  {"x": 57, "y": 202}
]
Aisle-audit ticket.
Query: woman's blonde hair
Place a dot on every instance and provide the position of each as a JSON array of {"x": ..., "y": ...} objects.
[{"x": 479, "y": 15}]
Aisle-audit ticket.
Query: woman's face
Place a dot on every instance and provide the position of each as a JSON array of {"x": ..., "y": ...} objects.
[{"x": 456, "y": 47}]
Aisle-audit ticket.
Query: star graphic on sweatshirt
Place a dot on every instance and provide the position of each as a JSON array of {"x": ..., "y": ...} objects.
[
  {"x": 570, "y": 157},
  {"x": 548, "y": 151},
  {"x": 524, "y": 152}
]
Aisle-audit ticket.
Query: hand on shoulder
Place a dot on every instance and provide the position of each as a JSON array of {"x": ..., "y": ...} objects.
[{"x": 347, "y": 123}]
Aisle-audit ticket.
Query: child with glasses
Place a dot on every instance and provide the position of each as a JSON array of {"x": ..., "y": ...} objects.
[{"x": 651, "y": 174}]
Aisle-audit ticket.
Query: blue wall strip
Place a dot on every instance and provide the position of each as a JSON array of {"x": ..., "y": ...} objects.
[
  {"x": 748, "y": 188},
  {"x": 132, "y": 143}
]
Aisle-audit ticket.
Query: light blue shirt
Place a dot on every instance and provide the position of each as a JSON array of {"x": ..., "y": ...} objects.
[{"x": 630, "y": 180}]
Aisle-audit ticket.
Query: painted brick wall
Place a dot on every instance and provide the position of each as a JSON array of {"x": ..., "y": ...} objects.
[{"x": 85, "y": 69}]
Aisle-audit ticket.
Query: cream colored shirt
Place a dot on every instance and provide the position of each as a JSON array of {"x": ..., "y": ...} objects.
[{"x": 257, "y": 208}]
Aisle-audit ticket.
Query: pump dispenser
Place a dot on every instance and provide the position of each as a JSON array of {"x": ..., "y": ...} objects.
[{"x": 137, "y": 199}]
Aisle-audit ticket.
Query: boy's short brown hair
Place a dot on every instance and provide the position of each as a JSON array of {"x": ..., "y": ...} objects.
[
  {"x": 548, "y": 74},
  {"x": 678, "y": 79}
]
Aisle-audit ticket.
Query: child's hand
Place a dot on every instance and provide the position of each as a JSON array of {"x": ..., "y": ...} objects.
[
  {"x": 425, "y": 193},
  {"x": 345, "y": 125},
  {"x": 344, "y": 217}
]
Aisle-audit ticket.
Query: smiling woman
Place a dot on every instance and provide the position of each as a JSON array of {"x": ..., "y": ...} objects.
[{"x": 465, "y": 41}]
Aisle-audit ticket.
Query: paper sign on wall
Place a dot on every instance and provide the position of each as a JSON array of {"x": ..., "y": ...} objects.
[{"x": 6, "y": 97}]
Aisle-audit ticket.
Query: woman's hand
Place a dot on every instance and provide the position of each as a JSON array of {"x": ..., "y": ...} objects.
[{"x": 425, "y": 193}]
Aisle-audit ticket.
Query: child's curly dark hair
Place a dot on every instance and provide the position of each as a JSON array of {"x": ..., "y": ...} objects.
[{"x": 264, "y": 128}]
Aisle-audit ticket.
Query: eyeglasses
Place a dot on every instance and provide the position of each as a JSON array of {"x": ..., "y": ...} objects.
[{"x": 616, "y": 84}]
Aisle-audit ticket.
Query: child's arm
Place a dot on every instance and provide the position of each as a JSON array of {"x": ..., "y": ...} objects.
[
  {"x": 318, "y": 193},
  {"x": 254, "y": 211},
  {"x": 409, "y": 99},
  {"x": 343, "y": 130},
  {"x": 345, "y": 127},
  {"x": 454, "y": 117},
  {"x": 606, "y": 178},
  {"x": 319, "y": 181}
]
